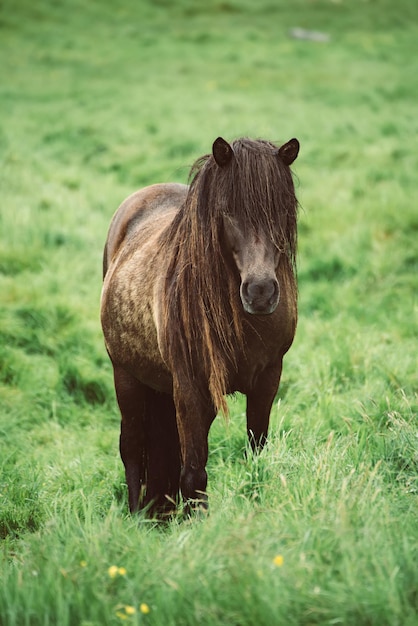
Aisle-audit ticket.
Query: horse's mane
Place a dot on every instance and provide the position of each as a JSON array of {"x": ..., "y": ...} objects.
[{"x": 203, "y": 317}]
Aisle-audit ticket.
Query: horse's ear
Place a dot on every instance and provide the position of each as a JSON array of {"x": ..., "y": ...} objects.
[
  {"x": 222, "y": 152},
  {"x": 289, "y": 151}
]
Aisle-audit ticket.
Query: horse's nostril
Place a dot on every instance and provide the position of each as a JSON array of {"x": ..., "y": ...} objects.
[
  {"x": 275, "y": 293},
  {"x": 246, "y": 289}
]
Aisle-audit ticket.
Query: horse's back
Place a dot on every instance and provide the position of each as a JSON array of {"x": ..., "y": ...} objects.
[{"x": 136, "y": 209}]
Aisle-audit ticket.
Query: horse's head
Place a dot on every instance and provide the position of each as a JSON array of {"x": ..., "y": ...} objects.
[
  {"x": 252, "y": 248},
  {"x": 256, "y": 259}
]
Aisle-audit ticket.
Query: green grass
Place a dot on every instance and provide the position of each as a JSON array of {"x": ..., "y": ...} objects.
[{"x": 100, "y": 98}]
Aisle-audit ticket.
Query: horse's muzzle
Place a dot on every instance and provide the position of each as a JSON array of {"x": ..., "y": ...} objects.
[{"x": 260, "y": 297}]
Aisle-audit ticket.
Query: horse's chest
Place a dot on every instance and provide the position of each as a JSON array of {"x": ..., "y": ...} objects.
[{"x": 266, "y": 341}]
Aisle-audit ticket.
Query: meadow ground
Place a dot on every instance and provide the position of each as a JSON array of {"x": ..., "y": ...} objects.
[{"x": 100, "y": 98}]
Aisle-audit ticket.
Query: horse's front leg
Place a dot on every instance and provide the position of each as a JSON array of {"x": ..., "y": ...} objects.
[
  {"x": 194, "y": 418},
  {"x": 259, "y": 403}
]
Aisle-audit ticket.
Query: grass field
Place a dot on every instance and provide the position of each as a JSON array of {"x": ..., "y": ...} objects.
[{"x": 100, "y": 98}]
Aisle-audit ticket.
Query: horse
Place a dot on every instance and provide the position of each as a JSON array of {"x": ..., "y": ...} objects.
[{"x": 199, "y": 301}]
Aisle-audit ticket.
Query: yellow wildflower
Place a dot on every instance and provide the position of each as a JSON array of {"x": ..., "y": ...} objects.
[
  {"x": 130, "y": 610},
  {"x": 278, "y": 560},
  {"x": 144, "y": 608},
  {"x": 83, "y": 563},
  {"x": 113, "y": 571}
]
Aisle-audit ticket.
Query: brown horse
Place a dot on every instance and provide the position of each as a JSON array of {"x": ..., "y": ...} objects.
[{"x": 199, "y": 300}]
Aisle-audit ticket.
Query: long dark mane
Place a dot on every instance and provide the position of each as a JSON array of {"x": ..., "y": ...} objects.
[{"x": 203, "y": 317}]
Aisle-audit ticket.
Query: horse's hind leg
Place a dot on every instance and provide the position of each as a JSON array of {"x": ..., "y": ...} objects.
[
  {"x": 149, "y": 445},
  {"x": 130, "y": 394},
  {"x": 163, "y": 453}
]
